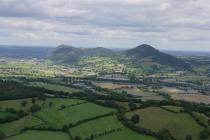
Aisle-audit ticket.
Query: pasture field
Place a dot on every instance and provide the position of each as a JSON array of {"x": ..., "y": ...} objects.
[
  {"x": 16, "y": 104},
  {"x": 54, "y": 87},
  {"x": 125, "y": 134},
  {"x": 40, "y": 135},
  {"x": 85, "y": 111},
  {"x": 70, "y": 114},
  {"x": 179, "y": 124},
  {"x": 96, "y": 127},
  {"x": 109, "y": 85},
  {"x": 51, "y": 114},
  {"x": 57, "y": 102},
  {"x": 176, "y": 109},
  {"x": 15, "y": 127}
]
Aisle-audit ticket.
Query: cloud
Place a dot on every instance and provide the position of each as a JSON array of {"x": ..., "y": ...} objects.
[{"x": 109, "y": 23}]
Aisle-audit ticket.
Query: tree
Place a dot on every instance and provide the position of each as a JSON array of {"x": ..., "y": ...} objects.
[
  {"x": 63, "y": 106},
  {"x": 33, "y": 100},
  {"x": 188, "y": 137},
  {"x": 135, "y": 118},
  {"x": 132, "y": 106},
  {"x": 209, "y": 122},
  {"x": 204, "y": 134},
  {"x": 35, "y": 108},
  {"x": 164, "y": 134},
  {"x": 50, "y": 104},
  {"x": 2, "y": 135},
  {"x": 23, "y": 103},
  {"x": 77, "y": 138},
  {"x": 132, "y": 77},
  {"x": 65, "y": 128}
]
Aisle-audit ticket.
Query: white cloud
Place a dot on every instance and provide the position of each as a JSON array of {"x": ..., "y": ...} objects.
[{"x": 109, "y": 23}]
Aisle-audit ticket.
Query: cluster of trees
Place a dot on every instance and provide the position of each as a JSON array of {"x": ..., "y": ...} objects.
[
  {"x": 15, "y": 115},
  {"x": 205, "y": 134},
  {"x": 98, "y": 135},
  {"x": 14, "y": 90}
]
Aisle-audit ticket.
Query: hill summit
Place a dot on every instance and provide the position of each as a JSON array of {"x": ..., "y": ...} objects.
[{"x": 145, "y": 51}]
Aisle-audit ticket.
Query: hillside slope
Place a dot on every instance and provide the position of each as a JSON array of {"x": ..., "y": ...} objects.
[{"x": 145, "y": 51}]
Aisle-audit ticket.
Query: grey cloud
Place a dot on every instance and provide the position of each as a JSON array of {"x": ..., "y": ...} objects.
[{"x": 131, "y": 20}]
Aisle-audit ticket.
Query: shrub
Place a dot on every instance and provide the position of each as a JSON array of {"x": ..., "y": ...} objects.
[{"x": 135, "y": 118}]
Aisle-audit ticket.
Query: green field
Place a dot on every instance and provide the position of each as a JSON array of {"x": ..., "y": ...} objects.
[
  {"x": 15, "y": 127},
  {"x": 16, "y": 104},
  {"x": 125, "y": 134},
  {"x": 71, "y": 114},
  {"x": 57, "y": 102},
  {"x": 96, "y": 127},
  {"x": 40, "y": 135},
  {"x": 85, "y": 111},
  {"x": 55, "y": 87},
  {"x": 179, "y": 124},
  {"x": 52, "y": 116},
  {"x": 176, "y": 109},
  {"x": 3, "y": 115}
]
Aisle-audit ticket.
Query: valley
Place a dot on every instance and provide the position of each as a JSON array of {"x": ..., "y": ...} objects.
[{"x": 140, "y": 93}]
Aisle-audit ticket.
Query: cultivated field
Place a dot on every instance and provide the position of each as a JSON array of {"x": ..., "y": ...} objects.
[
  {"x": 198, "y": 98},
  {"x": 109, "y": 85}
]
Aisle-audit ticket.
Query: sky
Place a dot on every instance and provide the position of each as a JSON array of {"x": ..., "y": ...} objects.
[{"x": 164, "y": 24}]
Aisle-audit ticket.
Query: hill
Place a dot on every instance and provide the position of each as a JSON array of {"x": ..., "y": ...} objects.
[
  {"x": 145, "y": 51},
  {"x": 70, "y": 54},
  {"x": 140, "y": 56}
]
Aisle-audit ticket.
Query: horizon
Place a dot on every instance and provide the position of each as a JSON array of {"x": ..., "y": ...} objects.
[
  {"x": 165, "y": 24},
  {"x": 111, "y": 48}
]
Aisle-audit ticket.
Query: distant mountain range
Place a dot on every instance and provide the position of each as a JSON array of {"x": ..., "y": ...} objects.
[
  {"x": 71, "y": 55},
  {"x": 25, "y": 51}
]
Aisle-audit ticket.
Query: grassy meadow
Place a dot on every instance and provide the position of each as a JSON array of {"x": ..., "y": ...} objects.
[{"x": 179, "y": 124}]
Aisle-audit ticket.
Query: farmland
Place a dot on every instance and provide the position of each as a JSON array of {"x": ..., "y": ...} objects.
[
  {"x": 126, "y": 134},
  {"x": 40, "y": 135},
  {"x": 96, "y": 127},
  {"x": 54, "y": 87},
  {"x": 192, "y": 98},
  {"x": 77, "y": 113},
  {"x": 179, "y": 124},
  {"x": 15, "y": 127},
  {"x": 96, "y": 99}
]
